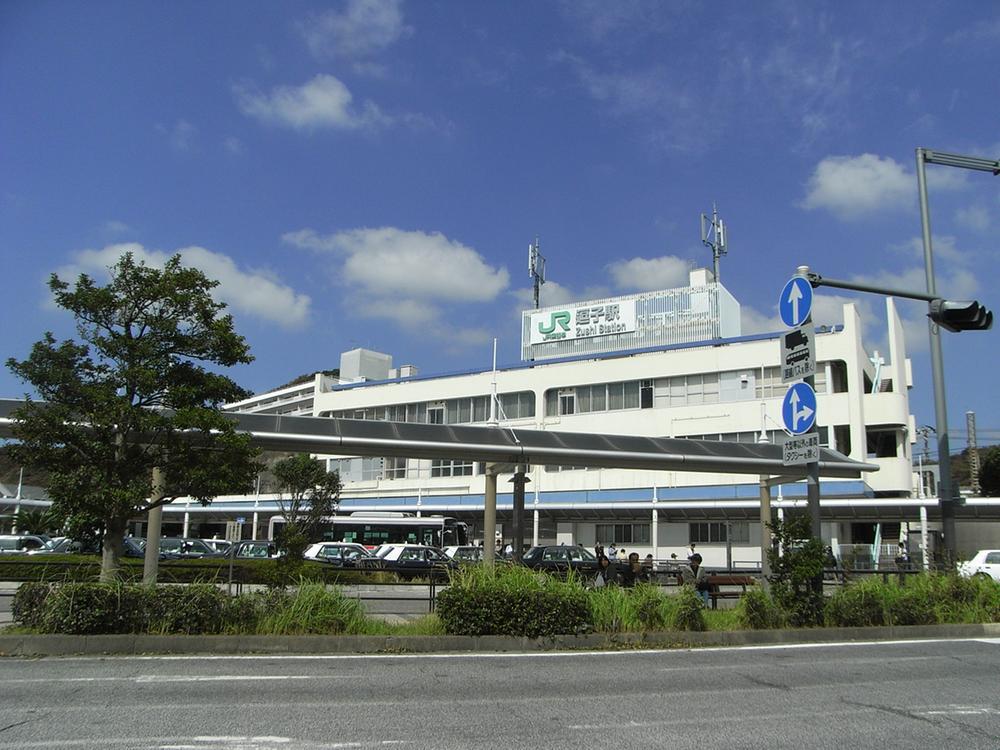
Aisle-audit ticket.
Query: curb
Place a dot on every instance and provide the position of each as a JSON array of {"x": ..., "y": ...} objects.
[{"x": 73, "y": 645}]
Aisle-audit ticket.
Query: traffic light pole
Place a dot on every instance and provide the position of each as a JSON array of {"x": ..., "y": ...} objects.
[{"x": 945, "y": 491}]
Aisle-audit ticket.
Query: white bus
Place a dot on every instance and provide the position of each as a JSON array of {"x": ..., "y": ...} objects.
[{"x": 372, "y": 528}]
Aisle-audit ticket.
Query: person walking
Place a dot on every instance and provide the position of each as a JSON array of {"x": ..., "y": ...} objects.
[
  {"x": 612, "y": 551},
  {"x": 622, "y": 557}
]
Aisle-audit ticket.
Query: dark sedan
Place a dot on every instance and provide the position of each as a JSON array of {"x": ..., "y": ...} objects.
[
  {"x": 560, "y": 558},
  {"x": 417, "y": 561}
]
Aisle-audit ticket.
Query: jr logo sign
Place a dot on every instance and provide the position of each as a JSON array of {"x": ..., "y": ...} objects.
[{"x": 557, "y": 327}]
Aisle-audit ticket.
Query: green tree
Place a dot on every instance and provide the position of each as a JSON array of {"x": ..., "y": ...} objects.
[
  {"x": 307, "y": 494},
  {"x": 797, "y": 570},
  {"x": 989, "y": 471},
  {"x": 37, "y": 521},
  {"x": 132, "y": 394}
]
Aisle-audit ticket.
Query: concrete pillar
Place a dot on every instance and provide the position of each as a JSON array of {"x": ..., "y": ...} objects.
[
  {"x": 765, "y": 531},
  {"x": 490, "y": 516}
]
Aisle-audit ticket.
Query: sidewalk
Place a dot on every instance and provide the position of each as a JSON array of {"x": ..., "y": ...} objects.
[{"x": 69, "y": 645}]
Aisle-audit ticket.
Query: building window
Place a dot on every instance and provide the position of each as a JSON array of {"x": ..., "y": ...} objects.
[
  {"x": 455, "y": 468},
  {"x": 881, "y": 443},
  {"x": 567, "y": 402},
  {"x": 646, "y": 394},
  {"x": 435, "y": 414},
  {"x": 714, "y": 532},
  {"x": 394, "y": 468},
  {"x": 622, "y": 533}
]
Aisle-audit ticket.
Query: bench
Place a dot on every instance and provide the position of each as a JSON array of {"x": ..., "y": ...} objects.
[{"x": 717, "y": 580}]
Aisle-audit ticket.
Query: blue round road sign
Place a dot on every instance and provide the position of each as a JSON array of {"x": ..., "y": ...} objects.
[
  {"x": 795, "y": 303},
  {"x": 798, "y": 410}
]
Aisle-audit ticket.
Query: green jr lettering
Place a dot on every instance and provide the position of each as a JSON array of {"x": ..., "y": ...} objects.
[{"x": 561, "y": 318}]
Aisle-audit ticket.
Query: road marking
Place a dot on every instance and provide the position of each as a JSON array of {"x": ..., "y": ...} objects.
[
  {"x": 708, "y": 648},
  {"x": 177, "y": 678},
  {"x": 263, "y": 742},
  {"x": 962, "y": 711}
]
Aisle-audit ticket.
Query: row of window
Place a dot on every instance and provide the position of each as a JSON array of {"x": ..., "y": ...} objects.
[
  {"x": 520, "y": 405},
  {"x": 707, "y": 532},
  {"x": 680, "y": 390}
]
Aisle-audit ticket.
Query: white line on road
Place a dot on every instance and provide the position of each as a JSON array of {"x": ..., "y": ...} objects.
[
  {"x": 175, "y": 678},
  {"x": 529, "y": 654}
]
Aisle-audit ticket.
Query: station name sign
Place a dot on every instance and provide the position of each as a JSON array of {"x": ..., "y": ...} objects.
[{"x": 583, "y": 322}]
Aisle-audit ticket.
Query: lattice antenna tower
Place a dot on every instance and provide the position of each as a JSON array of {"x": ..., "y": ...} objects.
[
  {"x": 970, "y": 428},
  {"x": 713, "y": 236},
  {"x": 536, "y": 269}
]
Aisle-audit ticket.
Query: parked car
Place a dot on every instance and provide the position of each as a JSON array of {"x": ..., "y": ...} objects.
[
  {"x": 253, "y": 549},
  {"x": 465, "y": 554},
  {"x": 986, "y": 562},
  {"x": 66, "y": 546},
  {"x": 21, "y": 544},
  {"x": 182, "y": 548},
  {"x": 343, "y": 554},
  {"x": 418, "y": 561},
  {"x": 560, "y": 558},
  {"x": 219, "y": 545}
]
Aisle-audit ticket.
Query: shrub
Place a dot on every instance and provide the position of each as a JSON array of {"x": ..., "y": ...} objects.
[
  {"x": 857, "y": 605},
  {"x": 28, "y": 606},
  {"x": 192, "y": 609},
  {"x": 91, "y": 608},
  {"x": 615, "y": 609},
  {"x": 756, "y": 610},
  {"x": 312, "y": 609},
  {"x": 688, "y": 613},
  {"x": 512, "y": 601}
]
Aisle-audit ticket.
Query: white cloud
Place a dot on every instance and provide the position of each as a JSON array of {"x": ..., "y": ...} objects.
[
  {"x": 323, "y": 102},
  {"x": 113, "y": 228},
  {"x": 974, "y": 217},
  {"x": 180, "y": 135},
  {"x": 855, "y": 186},
  {"x": 753, "y": 321},
  {"x": 363, "y": 28},
  {"x": 251, "y": 292},
  {"x": 644, "y": 274},
  {"x": 944, "y": 247},
  {"x": 408, "y": 277}
]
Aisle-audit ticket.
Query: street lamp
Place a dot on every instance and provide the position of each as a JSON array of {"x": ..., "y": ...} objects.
[{"x": 945, "y": 490}]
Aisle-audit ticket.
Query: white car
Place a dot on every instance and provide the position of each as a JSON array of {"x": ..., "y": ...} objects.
[{"x": 986, "y": 562}]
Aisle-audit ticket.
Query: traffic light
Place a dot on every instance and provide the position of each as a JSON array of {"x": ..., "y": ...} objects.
[{"x": 960, "y": 316}]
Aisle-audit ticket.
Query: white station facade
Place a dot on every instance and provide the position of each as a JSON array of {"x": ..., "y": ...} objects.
[{"x": 672, "y": 363}]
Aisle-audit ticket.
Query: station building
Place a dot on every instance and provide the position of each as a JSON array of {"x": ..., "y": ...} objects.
[{"x": 670, "y": 363}]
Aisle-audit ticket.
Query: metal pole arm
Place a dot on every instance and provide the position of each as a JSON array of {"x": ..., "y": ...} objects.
[
  {"x": 960, "y": 161},
  {"x": 816, "y": 280}
]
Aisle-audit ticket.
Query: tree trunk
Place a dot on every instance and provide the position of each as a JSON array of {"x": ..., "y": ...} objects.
[{"x": 111, "y": 549}]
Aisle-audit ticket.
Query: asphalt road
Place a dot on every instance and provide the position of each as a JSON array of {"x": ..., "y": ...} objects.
[{"x": 901, "y": 695}]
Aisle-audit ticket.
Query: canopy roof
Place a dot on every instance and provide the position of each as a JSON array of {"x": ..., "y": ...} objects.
[{"x": 507, "y": 445}]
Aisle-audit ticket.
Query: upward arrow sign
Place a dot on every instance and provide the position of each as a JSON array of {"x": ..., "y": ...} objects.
[
  {"x": 795, "y": 302},
  {"x": 794, "y": 296}
]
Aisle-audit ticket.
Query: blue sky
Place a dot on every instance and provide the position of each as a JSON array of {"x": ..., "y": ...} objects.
[{"x": 370, "y": 172}]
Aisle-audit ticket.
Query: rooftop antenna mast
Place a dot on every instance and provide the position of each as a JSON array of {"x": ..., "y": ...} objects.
[
  {"x": 713, "y": 235},
  {"x": 536, "y": 268}
]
